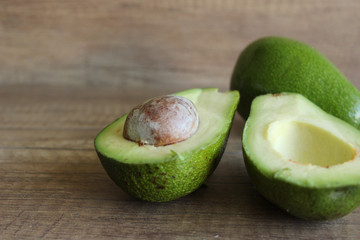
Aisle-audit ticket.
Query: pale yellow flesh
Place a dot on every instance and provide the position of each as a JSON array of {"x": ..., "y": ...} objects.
[{"x": 305, "y": 143}]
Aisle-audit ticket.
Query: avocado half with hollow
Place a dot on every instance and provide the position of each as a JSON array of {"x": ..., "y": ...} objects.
[
  {"x": 301, "y": 158},
  {"x": 164, "y": 173}
]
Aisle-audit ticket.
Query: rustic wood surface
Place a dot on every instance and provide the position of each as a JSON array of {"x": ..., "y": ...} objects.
[{"x": 68, "y": 68}]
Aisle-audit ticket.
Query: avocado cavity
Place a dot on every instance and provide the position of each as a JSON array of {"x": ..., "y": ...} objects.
[{"x": 304, "y": 143}]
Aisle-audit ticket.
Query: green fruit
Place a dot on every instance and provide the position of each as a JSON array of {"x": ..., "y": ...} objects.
[
  {"x": 301, "y": 158},
  {"x": 275, "y": 65},
  {"x": 168, "y": 172}
]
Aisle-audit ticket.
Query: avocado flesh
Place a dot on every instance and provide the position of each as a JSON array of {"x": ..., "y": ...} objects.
[
  {"x": 301, "y": 158},
  {"x": 277, "y": 64},
  {"x": 168, "y": 172}
]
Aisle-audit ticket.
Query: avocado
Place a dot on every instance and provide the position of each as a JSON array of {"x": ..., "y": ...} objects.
[
  {"x": 301, "y": 158},
  {"x": 164, "y": 173},
  {"x": 277, "y": 64}
]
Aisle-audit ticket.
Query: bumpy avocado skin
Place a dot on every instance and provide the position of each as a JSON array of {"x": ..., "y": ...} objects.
[
  {"x": 306, "y": 203},
  {"x": 276, "y": 64},
  {"x": 167, "y": 180}
]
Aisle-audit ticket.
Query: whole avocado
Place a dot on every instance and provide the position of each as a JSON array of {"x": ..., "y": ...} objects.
[{"x": 278, "y": 64}]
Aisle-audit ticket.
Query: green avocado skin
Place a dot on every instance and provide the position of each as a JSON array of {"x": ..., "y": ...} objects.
[
  {"x": 168, "y": 180},
  {"x": 277, "y": 64},
  {"x": 305, "y": 203}
]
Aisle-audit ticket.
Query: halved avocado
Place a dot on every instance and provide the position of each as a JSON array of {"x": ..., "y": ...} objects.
[
  {"x": 168, "y": 172},
  {"x": 301, "y": 158}
]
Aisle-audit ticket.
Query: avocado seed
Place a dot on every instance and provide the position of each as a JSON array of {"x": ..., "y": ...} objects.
[{"x": 162, "y": 121}]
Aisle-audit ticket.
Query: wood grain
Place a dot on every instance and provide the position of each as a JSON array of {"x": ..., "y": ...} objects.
[
  {"x": 68, "y": 68},
  {"x": 152, "y": 44}
]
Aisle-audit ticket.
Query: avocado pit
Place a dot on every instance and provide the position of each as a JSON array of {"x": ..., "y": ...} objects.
[{"x": 162, "y": 121}]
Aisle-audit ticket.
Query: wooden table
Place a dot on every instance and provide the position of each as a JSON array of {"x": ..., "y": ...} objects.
[{"x": 68, "y": 68}]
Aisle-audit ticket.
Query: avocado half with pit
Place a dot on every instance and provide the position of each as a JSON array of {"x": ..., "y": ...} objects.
[
  {"x": 164, "y": 173},
  {"x": 302, "y": 159}
]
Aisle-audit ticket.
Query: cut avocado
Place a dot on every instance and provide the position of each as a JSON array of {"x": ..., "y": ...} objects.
[
  {"x": 168, "y": 172},
  {"x": 301, "y": 158},
  {"x": 277, "y": 64}
]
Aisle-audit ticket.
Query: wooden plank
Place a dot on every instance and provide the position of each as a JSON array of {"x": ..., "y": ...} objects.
[
  {"x": 58, "y": 198},
  {"x": 149, "y": 44}
]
